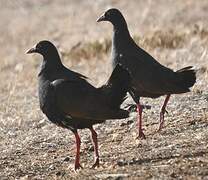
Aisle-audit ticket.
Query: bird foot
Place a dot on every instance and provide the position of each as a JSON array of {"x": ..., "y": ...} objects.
[
  {"x": 162, "y": 113},
  {"x": 160, "y": 126},
  {"x": 77, "y": 167},
  {"x": 141, "y": 135},
  {"x": 96, "y": 164}
]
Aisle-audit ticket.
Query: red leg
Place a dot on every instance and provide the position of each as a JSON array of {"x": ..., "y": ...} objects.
[
  {"x": 78, "y": 143},
  {"x": 139, "y": 110},
  {"x": 163, "y": 111},
  {"x": 95, "y": 144}
]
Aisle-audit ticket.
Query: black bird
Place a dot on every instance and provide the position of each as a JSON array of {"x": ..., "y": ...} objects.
[
  {"x": 69, "y": 101},
  {"x": 150, "y": 78}
]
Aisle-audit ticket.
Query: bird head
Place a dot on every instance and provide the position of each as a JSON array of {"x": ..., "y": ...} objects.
[
  {"x": 43, "y": 47},
  {"x": 112, "y": 15}
]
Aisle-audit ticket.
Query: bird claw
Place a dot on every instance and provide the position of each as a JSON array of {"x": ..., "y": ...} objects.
[
  {"x": 141, "y": 135},
  {"x": 162, "y": 119},
  {"x": 77, "y": 167},
  {"x": 96, "y": 164}
]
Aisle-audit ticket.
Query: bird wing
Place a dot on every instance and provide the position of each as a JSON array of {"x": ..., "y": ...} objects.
[
  {"x": 117, "y": 86},
  {"x": 79, "y": 99},
  {"x": 148, "y": 75},
  {"x": 72, "y": 74}
]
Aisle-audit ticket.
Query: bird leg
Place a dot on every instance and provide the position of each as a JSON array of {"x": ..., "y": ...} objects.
[
  {"x": 95, "y": 144},
  {"x": 139, "y": 110},
  {"x": 78, "y": 143},
  {"x": 163, "y": 111}
]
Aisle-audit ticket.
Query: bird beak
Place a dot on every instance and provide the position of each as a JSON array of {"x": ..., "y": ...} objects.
[
  {"x": 102, "y": 18},
  {"x": 32, "y": 50}
]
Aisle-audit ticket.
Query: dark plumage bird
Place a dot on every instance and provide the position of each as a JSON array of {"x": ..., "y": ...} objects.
[
  {"x": 150, "y": 78},
  {"x": 69, "y": 101}
]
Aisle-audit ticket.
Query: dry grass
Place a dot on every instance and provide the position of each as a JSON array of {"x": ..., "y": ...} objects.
[{"x": 33, "y": 148}]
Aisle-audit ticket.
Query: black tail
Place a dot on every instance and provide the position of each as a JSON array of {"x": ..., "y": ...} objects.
[
  {"x": 187, "y": 77},
  {"x": 117, "y": 86}
]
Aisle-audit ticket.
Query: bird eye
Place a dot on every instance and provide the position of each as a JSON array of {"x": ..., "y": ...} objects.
[
  {"x": 39, "y": 46},
  {"x": 107, "y": 14}
]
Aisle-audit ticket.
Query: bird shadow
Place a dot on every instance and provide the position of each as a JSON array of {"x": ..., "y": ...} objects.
[{"x": 158, "y": 159}]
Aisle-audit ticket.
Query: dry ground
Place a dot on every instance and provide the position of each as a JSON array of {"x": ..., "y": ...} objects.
[{"x": 175, "y": 32}]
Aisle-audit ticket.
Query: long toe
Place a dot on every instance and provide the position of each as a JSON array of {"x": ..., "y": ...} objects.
[{"x": 96, "y": 164}]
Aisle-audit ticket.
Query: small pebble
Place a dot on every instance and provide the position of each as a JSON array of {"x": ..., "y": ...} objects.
[
  {"x": 58, "y": 173},
  {"x": 67, "y": 159},
  {"x": 122, "y": 162}
]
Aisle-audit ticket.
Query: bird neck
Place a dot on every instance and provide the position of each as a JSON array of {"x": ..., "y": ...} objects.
[
  {"x": 121, "y": 27},
  {"x": 51, "y": 64},
  {"x": 52, "y": 60},
  {"x": 121, "y": 34},
  {"x": 121, "y": 39}
]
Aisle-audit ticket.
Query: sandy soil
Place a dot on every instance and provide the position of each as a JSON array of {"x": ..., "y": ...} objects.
[{"x": 174, "y": 32}]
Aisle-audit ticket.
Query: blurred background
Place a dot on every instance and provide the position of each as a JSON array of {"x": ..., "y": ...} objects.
[{"x": 174, "y": 32}]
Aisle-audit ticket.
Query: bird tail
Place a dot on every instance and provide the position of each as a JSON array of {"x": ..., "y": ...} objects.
[
  {"x": 187, "y": 77},
  {"x": 117, "y": 86}
]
